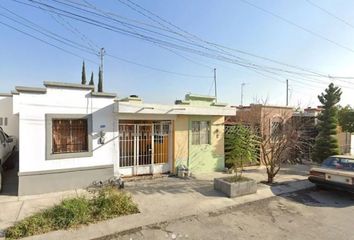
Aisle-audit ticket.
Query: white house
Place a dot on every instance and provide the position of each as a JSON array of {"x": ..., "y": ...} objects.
[{"x": 69, "y": 135}]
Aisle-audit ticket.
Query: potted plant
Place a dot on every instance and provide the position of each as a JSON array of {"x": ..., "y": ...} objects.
[{"x": 241, "y": 146}]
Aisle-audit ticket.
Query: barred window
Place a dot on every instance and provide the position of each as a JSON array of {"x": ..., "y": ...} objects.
[
  {"x": 200, "y": 132},
  {"x": 69, "y": 136},
  {"x": 276, "y": 127}
]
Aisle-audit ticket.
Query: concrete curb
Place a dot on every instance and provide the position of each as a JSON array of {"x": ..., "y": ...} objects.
[{"x": 132, "y": 223}]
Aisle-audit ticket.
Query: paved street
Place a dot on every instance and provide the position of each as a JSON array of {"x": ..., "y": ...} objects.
[{"x": 308, "y": 214}]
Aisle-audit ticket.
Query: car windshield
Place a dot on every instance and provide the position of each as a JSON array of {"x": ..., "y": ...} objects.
[{"x": 340, "y": 163}]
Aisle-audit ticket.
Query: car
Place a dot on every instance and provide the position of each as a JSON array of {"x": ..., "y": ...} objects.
[
  {"x": 335, "y": 172},
  {"x": 7, "y": 148}
]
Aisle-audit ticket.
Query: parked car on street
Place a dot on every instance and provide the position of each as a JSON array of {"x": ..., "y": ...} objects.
[
  {"x": 7, "y": 147},
  {"x": 335, "y": 172}
]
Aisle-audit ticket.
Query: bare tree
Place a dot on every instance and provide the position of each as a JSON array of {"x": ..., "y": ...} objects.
[
  {"x": 282, "y": 137},
  {"x": 283, "y": 142}
]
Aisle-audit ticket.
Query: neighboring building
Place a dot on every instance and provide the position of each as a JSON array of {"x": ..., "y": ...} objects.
[
  {"x": 8, "y": 120},
  {"x": 307, "y": 121},
  {"x": 70, "y": 136},
  {"x": 264, "y": 119}
]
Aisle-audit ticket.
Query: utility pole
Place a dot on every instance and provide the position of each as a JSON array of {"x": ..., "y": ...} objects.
[
  {"x": 101, "y": 54},
  {"x": 215, "y": 87},
  {"x": 287, "y": 92},
  {"x": 242, "y": 85}
]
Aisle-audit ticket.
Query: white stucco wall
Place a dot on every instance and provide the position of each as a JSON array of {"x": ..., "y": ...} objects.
[
  {"x": 32, "y": 108},
  {"x": 6, "y": 112}
]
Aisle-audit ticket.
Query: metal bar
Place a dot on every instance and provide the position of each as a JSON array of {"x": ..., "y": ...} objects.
[{"x": 152, "y": 147}]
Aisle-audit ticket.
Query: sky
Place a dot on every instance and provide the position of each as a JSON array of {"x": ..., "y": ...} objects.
[{"x": 328, "y": 49}]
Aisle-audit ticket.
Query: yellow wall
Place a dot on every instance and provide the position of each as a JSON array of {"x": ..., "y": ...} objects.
[{"x": 181, "y": 128}]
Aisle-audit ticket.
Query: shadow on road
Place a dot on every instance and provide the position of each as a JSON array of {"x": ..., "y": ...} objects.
[{"x": 315, "y": 197}]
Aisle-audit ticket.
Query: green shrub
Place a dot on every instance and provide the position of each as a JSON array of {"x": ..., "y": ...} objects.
[
  {"x": 109, "y": 203},
  {"x": 35, "y": 224},
  {"x": 70, "y": 212},
  {"x": 106, "y": 203}
]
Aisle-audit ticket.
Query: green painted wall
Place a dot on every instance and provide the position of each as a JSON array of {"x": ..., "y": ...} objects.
[{"x": 207, "y": 157}]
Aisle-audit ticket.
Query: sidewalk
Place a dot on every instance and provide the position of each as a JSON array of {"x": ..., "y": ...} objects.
[{"x": 159, "y": 200}]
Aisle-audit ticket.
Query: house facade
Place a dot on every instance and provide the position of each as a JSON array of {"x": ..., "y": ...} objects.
[
  {"x": 264, "y": 119},
  {"x": 69, "y": 136}
]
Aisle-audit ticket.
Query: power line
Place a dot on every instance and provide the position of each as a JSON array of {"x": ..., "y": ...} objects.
[
  {"x": 48, "y": 43},
  {"x": 166, "y": 43},
  {"x": 330, "y": 14},
  {"x": 218, "y": 45},
  {"x": 298, "y": 26},
  {"x": 74, "y": 54},
  {"x": 155, "y": 68},
  {"x": 165, "y": 48},
  {"x": 43, "y": 30}
]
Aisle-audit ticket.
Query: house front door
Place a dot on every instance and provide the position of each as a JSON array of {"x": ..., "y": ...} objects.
[{"x": 145, "y": 148}]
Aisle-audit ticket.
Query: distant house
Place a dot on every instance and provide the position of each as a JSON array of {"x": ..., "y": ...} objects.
[
  {"x": 70, "y": 136},
  {"x": 264, "y": 119}
]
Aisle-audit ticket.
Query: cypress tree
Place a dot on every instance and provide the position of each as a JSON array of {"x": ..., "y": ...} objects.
[
  {"x": 83, "y": 74},
  {"x": 100, "y": 81},
  {"x": 92, "y": 83},
  {"x": 326, "y": 143}
]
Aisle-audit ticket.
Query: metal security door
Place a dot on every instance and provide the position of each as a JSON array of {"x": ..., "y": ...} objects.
[{"x": 145, "y": 148}]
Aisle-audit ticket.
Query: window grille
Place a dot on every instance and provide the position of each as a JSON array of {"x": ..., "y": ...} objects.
[{"x": 69, "y": 136}]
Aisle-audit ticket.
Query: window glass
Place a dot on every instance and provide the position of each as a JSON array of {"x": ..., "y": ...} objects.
[
  {"x": 5, "y": 121},
  {"x": 195, "y": 133},
  {"x": 204, "y": 132},
  {"x": 1, "y": 121},
  {"x": 69, "y": 136},
  {"x": 200, "y": 132},
  {"x": 339, "y": 163},
  {"x": 276, "y": 126}
]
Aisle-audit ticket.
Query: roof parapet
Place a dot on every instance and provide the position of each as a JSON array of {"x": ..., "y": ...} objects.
[
  {"x": 103, "y": 94},
  {"x": 132, "y": 99},
  {"x": 5, "y": 95},
  {"x": 68, "y": 85},
  {"x": 23, "y": 89}
]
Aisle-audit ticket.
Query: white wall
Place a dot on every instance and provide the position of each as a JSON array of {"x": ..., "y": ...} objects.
[
  {"x": 32, "y": 109},
  {"x": 6, "y": 112}
]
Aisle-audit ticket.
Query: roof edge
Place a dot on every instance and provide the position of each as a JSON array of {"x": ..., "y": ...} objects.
[
  {"x": 68, "y": 85},
  {"x": 192, "y": 95},
  {"x": 20, "y": 89},
  {"x": 5, "y": 94},
  {"x": 104, "y": 94}
]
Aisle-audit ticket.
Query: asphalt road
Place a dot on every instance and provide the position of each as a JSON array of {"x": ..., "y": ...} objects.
[{"x": 309, "y": 214}]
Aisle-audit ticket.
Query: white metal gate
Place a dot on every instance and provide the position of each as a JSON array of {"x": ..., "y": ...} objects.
[{"x": 145, "y": 148}]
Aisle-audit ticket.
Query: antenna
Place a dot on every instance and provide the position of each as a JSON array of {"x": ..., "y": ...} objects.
[
  {"x": 287, "y": 92},
  {"x": 242, "y": 85},
  {"x": 215, "y": 87}
]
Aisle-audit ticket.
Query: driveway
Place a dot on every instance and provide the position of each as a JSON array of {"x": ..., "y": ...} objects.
[{"x": 306, "y": 215}]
